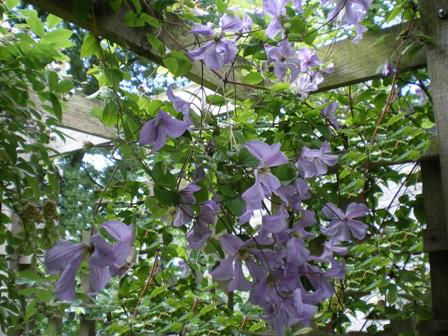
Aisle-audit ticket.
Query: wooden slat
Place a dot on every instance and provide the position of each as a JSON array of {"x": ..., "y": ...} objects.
[
  {"x": 436, "y": 219},
  {"x": 174, "y": 34},
  {"x": 354, "y": 63},
  {"x": 437, "y": 59}
]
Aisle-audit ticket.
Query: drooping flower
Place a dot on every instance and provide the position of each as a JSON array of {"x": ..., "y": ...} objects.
[
  {"x": 314, "y": 162},
  {"x": 184, "y": 212},
  {"x": 231, "y": 268},
  {"x": 329, "y": 114},
  {"x": 307, "y": 82},
  {"x": 276, "y": 223},
  {"x": 200, "y": 232},
  {"x": 344, "y": 226},
  {"x": 65, "y": 258},
  {"x": 276, "y": 9},
  {"x": 267, "y": 155},
  {"x": 284, "y": 58},
  {"x": 308, "y": 58},
  {"x": 179, "y": 104},
  {"x": 265, "y": 183},
  {"x": 107, "y": 260},
  {"x": 352, "y": 13},
  {"x": 218, "y": 51},
  {"x": 293, "y": 194},
  {"x": 155, "y": 131}
]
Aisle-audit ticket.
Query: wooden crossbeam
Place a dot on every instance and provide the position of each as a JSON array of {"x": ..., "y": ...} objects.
[{"x": 354, "y": 63}]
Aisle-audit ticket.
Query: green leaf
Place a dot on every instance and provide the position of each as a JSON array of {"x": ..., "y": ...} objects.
[
  {"x": 151, "y": 20},
  {"x": 10, "y": 4},
  {"x": 166, "y": 196},
  {"x": 36, "y": 25},
  {"x": 177, "y": 63},
  {"x": 285, "y": 173},
  {"x": 163, "y": 176},
  {"x": 64, "y": 86},
  {"x": 214, "y": 99},
  {"x": 109, "y": 116},
  {"x": 58, "y": 38},
  {"x": 30, "y": 310},
  {"x": 90, "y": 46},
  {"x": 56, "y": 104},
  {"x": 156, "y": 43},
  {"x": 253, "y": 78},
  {"x": 53, "y": 20},
  {"x": 157, "y": 291},
  {"x": 220, "y": 6},
  {"x": 298, "y": 25}
]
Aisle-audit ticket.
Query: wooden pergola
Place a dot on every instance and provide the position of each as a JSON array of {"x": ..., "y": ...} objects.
[{"x": 354, "y": 63}]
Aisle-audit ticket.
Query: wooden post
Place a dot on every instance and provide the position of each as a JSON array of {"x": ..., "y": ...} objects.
[
  {"x": 437, "y": 60},
  {"x": 435, "y": 237},
  {"x": 435, "y": 173}
]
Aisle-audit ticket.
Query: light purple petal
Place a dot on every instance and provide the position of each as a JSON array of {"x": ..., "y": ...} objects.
[
  {"x": 231, "y": 244},
  {"x": 230, "y": 23},
  {"x": 99, "y": 276},
  {"x": 355, "y": 210},
  {"x": 239, "y": 282},
  {"x": 331, "y": 211},
  {"x": 204, "y": 30},
  {"x": 276, "y": 223},
  {"x": 57, "y": 257},
  {"x": 224, "y": 271}
]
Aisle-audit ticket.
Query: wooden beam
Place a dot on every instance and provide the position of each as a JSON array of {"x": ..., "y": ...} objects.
[
  {"x": 354, "y": 63},
  {"x": 174, "y": 34},
  {"x": 437, "y": 58},
  {"x": 435, "y": 215}
]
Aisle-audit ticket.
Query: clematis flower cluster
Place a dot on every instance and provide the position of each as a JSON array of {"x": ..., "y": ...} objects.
[
  {"x": 219, "y": 50},
  {"x": 106, "y": 260},
  {"x": 276, "y": 266},
  {"x": 350, "y": 13}
]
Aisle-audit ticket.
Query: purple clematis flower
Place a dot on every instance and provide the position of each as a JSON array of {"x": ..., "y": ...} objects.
[
  {"x": 184, "y": 212},
  {"x": 276, "y": 223},
  {"x": 308, "y": 58},
  {"x": 200, "y": 232},
  {"x": 106, "y": 261},
  {"x": 219, "y": 51},
  {"x": 297, "y": 5},
  {"x": 267, "y": 155},
  {"x": 155, "y": 131},
  {"x": 352, "y": 12},
  {"x": 329, "y": 114},
  {"x": 284, "y": 58},
  {"x": 314, "y": 162},
  {"x": 179, "y": 104},
  {"x": 276, "y": 9},
  {"x": 344, "y": 226},
  {"x": 307, "y": 82},
  {"x": 293, "y": 194},
  {"x": 246, "y": 24},
  {"x": 231, "y": 268},
  {"x": 265, "y": 183}
]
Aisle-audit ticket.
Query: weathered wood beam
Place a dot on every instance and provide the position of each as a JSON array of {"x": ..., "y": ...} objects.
[
  {"x": 437, "y": 58},
  {"x": 174, "y": 34},
  {"x": 354, "y": 63}
]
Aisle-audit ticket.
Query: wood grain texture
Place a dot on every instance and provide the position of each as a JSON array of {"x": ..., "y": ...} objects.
[
  {"x": 436, "y": 220},
  {"x": 354, "y": 63},
  {"x": 437, "y": 60},
  {"x": 174, "y": 34}
]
